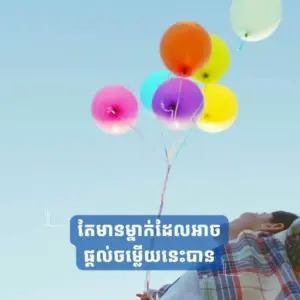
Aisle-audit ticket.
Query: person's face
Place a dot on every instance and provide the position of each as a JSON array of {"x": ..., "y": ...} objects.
[{"x": 258, "y": 222}]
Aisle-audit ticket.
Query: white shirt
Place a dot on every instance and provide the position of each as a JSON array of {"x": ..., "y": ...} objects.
[{"x": 186, "y": 288}]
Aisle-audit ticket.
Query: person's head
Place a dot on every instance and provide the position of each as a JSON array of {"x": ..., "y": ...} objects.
[{"x": 269, "y": 222}]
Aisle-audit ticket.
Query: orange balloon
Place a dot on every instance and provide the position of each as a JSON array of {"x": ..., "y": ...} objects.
[{"x": 185, "y": 48}]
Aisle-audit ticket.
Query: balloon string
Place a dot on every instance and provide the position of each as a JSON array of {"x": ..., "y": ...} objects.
[
  {"x": 134, "y": 129},
  {"x": 162, "y": 202},
  {"x": 178, "y": 99},
  {"x": 185, "y": 138},
  {"x": 174, "y": 151},
  {"x": 161, "y": 207},
  {"x": 240, "y": 48},
  {"x": 172, "y": 110},
  {"x": 153, "y": 149},
  {"x": 182, "y": 144},
  {"x": 242, "y": 44},
  {"x": 165, "y": 148}
]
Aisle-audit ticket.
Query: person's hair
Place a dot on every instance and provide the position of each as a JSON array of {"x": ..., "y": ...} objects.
[{"x": 286, "y": 218}]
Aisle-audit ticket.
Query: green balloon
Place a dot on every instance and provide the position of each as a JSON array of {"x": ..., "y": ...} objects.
[{"x": 255, "y": 20}]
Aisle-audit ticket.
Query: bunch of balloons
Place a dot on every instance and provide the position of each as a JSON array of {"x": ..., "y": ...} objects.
[{"x": 191, "y": 56}]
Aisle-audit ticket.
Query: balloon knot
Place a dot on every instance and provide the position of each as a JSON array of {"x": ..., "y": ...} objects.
[
  {"x": 172, "y": 107},
  {"x": 185, "y": 71},
  {"x": 111, "y": 110},
  {"x": 206, "y": 116},
  {"x": 205, "y": 75}
]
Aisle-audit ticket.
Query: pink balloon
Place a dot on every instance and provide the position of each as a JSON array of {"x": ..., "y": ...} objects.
[{"x": 115, "y": 109}]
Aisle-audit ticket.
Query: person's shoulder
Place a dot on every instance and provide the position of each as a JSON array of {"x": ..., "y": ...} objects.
[
  {"x": 292, "y": 243},
  {"x": 294, "y": 229},
  {"x": 292, "y": 234}
]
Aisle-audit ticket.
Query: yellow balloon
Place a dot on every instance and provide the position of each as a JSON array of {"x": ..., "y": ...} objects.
[
  {"x": 220, "y": 110},
  {"x": 217, "y": 64}
]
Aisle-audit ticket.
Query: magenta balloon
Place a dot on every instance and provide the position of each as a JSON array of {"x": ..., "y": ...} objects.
[
  {"x": 183, "y": 94},
  {"x": 115, "y": 109}
]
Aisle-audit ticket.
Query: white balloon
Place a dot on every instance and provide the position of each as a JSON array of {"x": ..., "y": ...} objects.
[{"x": 255, "y": 20}]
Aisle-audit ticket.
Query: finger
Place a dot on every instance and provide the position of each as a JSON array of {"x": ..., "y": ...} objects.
[
  {"x": 140, "y": 295},
  {"x": 144, "y": 296}
]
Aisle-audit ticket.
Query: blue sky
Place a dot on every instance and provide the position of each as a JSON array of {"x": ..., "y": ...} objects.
[{"x": 54, "y": 56}]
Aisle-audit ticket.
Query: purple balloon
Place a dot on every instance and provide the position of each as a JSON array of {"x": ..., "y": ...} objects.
[{"x": 178, "y": 101}]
